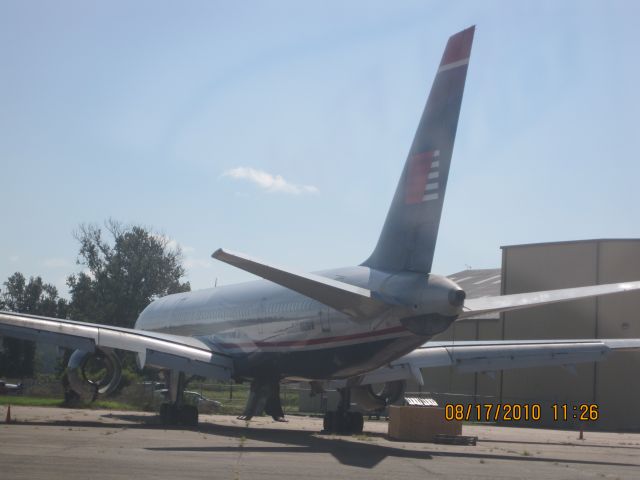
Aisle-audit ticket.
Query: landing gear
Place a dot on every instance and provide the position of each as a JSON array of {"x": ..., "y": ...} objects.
[
  {"x": 176, "y": 412},
  {"x": 264, "y": 396},
  {"x": 343, "y": 420}
]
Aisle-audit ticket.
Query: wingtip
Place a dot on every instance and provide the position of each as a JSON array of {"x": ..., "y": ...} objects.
[{"x": 217, "y": 254}]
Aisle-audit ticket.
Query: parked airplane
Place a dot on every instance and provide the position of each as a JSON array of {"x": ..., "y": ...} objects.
[{"x": 352, "y": 326}]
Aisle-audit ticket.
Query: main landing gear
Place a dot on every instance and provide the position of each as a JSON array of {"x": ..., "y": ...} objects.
[
  {"x": 264, "y": 396},
  {"x": 343, "y": 420},
  {"x": 175, "y": 412}
]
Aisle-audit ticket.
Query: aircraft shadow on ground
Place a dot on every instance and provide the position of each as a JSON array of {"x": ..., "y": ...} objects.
[{"x": 357, "y": 453}]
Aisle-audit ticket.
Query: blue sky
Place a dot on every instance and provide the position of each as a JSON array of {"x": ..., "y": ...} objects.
[{"x": 165, "y": 113}]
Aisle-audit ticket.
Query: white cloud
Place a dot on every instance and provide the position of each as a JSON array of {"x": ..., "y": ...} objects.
[
  {"x": 57, "y": 263},
  {"x": 269, "y": 182}
]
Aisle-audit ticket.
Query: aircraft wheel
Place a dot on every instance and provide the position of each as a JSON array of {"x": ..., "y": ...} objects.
[
  {"x": 328, "y": 422},
  {"x": 343, "y": 422},
  {"x": 168, "y": 414},
  {"x": 189, "y": 415},
  {"x": 355, "y": 421}
]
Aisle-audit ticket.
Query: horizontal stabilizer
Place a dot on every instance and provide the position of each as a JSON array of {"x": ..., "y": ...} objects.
[
  {"x": 344, "y": 297},
  {"x": 504, "y": 303}
]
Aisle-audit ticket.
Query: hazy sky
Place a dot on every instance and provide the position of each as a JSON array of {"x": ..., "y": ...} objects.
[{"x": 279, "y": 129}]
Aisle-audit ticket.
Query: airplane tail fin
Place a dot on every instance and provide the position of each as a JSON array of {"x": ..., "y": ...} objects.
[{"x": 408, "y": 238}]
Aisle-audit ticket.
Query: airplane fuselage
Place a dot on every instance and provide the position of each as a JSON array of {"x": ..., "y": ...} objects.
[{"x": 273, "y": 331}]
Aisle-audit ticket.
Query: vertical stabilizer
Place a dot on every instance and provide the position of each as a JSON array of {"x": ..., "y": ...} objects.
[{"x": 408, "y": 238}]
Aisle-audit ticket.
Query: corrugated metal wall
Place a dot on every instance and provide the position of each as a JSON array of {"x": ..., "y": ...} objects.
[{"x": 613, "y": 384}]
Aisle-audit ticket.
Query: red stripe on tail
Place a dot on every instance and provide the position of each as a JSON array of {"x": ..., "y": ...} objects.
[
  {"x": 419, "y": 166},
  {"x": 458, "y": 47}
]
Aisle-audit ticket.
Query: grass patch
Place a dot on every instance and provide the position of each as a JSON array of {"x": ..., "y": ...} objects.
[
  {"x": 30, "y": 401},
  {"x": 27, "y": 401}
]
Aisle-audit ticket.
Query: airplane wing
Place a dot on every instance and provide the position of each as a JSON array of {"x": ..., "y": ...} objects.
[
  {"x": 175, "y": 352},
  {"x": 504, "y": 303},
  {"x": 494, "y": 355},
  {"x": 344, "y": 297}
]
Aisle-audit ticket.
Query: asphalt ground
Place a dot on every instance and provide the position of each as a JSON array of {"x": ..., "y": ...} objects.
[{"x": 55, "y": 443}]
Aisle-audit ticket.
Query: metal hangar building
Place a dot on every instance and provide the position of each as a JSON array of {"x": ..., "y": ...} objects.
[{"x": 611, "y": 384}]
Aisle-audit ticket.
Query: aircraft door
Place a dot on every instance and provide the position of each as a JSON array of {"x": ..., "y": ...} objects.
[
  {"x": 324, "y": 320},
  {"x": 261, "y": 316}
]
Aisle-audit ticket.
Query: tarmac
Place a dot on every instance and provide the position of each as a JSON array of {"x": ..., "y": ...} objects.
[{"x": 56, "y": 443}]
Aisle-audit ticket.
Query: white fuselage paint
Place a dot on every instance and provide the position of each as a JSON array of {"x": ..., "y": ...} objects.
[{"x": 254, "y": 319}]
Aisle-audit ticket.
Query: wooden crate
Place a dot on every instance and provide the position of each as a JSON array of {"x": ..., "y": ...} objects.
[{"x": 420, "y": 424}]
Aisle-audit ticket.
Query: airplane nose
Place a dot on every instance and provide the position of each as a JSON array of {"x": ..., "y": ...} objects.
[{"x": 456, "y": 297}]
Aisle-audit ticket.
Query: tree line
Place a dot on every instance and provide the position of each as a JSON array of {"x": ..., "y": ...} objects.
[{"x": 125, "y": 267}]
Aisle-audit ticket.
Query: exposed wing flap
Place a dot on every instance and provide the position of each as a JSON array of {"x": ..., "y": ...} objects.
[
  {"x": 488, "y": 356},
  {"x": 344, "y": 297},
  {"x": 504, "y": 303},
  {"x": 186, "y": 354}
]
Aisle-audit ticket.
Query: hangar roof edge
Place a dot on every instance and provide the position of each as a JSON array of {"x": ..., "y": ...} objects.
[
  {"x": 480, "y": 282},
  {"x": 568, "y": 242}
]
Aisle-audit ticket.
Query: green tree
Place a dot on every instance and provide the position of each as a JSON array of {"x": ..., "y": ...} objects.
[
  {"x": 36, "y": 298},
  {"x": 122, "y": 275}
]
